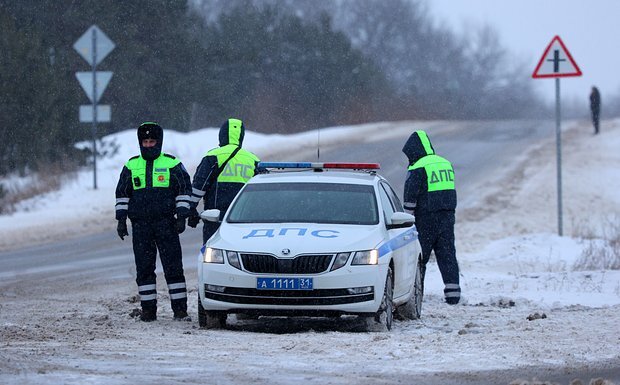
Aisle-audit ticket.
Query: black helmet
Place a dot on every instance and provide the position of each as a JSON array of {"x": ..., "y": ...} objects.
[{"x": 150, "y": 130}]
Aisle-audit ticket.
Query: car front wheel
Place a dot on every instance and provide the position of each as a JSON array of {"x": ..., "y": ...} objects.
[
  {"x": 210, "y": 319},
  {"x": 385, "y": 314}
]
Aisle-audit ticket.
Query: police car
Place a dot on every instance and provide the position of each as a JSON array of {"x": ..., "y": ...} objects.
[{"x": 312, "y": 239}]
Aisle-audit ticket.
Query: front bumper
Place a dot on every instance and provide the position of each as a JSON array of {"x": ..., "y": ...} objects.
[{"x": 348, "y": 290}]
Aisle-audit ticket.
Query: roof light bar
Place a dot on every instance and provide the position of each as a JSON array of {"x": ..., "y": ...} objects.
[
  {"x": 285, "y": 164},
  {"x": 318, "y": 165}
]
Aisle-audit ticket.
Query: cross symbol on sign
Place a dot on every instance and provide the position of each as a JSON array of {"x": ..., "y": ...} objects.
[{"x": 556, "y": 61}]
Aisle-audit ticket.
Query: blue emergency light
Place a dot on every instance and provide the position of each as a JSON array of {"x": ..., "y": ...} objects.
[{"x": 285, "y": 164}]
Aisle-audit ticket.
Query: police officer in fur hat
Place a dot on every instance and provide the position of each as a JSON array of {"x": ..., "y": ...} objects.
[{"x": 154, "y": 191}]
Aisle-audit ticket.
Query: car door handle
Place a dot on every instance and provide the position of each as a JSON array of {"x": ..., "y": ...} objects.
[{"x": 407, "y": 237}]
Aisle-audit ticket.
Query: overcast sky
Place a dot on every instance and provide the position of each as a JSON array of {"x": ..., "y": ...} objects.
[{"x": 590, "y": 29}]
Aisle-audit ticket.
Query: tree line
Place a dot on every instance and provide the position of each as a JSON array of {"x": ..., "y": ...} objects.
[{"x": 283, "y": 66}]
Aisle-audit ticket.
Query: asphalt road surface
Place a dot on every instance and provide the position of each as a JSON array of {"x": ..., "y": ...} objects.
[{"x": 476, "y": 149}]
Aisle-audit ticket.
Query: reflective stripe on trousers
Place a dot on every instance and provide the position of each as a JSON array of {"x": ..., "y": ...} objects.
[
  {"x": 147, "y": 292},
  {"x": 177, "y": 290},
  {"x": 452, "y": 290}
]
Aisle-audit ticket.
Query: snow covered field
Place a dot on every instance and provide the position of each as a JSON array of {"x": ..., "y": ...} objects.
[{"x": 530, "y": 308}]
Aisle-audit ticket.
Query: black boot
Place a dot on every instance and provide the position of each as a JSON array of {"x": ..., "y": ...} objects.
[
  {"x": 181, "y": 315},
  {"x": 148, "y": 314}
]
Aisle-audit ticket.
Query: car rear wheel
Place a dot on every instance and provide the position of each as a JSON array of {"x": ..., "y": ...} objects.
[
  {"x": 385, "y": 314},
  {"x": 413, "y": 308},
  {"x": 210, "y": 319}
]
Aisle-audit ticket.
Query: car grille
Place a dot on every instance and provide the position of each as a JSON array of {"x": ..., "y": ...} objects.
[
  {"x": 303, "y": 264},
  {"x": 320, "y": 297}
]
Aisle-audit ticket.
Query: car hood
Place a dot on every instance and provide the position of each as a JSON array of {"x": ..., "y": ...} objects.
[{"x": 300, "y": 238}]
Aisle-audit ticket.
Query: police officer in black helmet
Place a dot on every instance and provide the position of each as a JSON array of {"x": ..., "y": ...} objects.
[{"x": 153, "y": 191}]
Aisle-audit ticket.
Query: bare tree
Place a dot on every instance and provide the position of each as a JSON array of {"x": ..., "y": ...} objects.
[{"x": 430, "y": 70}]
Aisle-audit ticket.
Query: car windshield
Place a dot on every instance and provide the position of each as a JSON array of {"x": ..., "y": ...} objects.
[{"x": 305, "y": 203}]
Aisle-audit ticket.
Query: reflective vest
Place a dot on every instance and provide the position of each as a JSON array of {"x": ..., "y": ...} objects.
[
  {"x": 239, "y": 169},
  {"x": 161, "y": 171},
  {"x": 439, "y": 172}
]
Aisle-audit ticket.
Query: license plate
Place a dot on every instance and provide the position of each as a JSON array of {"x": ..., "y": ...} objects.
[{"x": 284, "y": 283}]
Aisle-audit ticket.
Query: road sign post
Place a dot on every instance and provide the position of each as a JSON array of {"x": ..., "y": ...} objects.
[
  {"x": 558, "y": 152},
  {"x": 94, "y": 46},
  {"x": 556, "y": 62}
]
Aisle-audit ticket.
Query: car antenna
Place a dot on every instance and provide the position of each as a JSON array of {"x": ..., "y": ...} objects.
[{"x": 318, "y": 144}]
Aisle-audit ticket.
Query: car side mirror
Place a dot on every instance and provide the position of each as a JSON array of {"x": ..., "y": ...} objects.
[
  {"x": 211, "y": 215},
  {"x": 400, "y": 220}
]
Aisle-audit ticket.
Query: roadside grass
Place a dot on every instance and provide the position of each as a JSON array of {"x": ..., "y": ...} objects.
[
  {"x": 600, "y": 252},
  {"x": 15, "y": 189}
]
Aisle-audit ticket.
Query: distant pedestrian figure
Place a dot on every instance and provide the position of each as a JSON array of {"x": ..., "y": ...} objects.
[{"x": 595, "y": 107}]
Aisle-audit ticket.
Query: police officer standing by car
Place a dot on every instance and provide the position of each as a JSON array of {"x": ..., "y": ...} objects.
[
  {"x": 222, "y": 172},
  {"x": 152, "y": 188},
  {"x": 431, "y": 196}
]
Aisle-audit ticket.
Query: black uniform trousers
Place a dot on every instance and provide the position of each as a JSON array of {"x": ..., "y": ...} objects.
[
  {"x": 149, "y": 236},
  {"x": 595, "y": 119},
  {"x": 436, "y": 232},
  {"x": 208, "y": 229}
]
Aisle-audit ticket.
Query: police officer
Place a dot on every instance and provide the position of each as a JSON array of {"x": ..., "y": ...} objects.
[
  {"x": 430, "y": 195},
  {"x": 154, "y": 187},
  {"x": 221, "y": 174}
]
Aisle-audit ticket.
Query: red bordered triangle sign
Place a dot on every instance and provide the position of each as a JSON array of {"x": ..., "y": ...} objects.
[{"x": 556, "y": 62}]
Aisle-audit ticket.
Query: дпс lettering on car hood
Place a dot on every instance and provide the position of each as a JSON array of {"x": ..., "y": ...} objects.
[{"x": 298, "y": 238}]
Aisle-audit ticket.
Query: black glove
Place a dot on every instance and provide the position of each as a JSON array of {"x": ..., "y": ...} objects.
[
  {"x": 180, "y": 224},
  {"x": 194, "y": 218},
  {"x": 193, "y": 221},
  {"x": 121, "y": 229}
]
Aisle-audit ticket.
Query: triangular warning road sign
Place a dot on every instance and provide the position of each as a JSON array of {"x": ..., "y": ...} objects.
[
  {"x": 102, "y": 78},
  {"x": 556, "y": 62}
]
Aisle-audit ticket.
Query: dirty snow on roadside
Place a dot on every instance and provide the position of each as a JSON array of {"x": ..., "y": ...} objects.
[{"x": 528, "y": 310}]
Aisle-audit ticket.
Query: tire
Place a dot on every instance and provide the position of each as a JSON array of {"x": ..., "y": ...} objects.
[
  {"x": 385, "y": 314},
  {"x": 413, "y": 308},
  {"x": 245, "y": 316},
  {"x": 210, "y": 319}
]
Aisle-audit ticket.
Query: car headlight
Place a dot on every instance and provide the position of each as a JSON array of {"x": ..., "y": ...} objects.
[
  {"x": 233, "y": 259},
  {"x": 341, "y": 260},
  {"x": 212, "y": 255},
  {"x": 367, "y": 257}
]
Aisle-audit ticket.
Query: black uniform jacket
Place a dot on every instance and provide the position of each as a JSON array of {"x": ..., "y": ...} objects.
[
  {"x": 155, "y": 202},
  {"x": 216, "y": 194},
  {"x": 416, "y": 196}
]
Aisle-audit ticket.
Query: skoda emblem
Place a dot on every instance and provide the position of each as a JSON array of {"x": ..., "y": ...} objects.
[{"x": 286, "y": 251}]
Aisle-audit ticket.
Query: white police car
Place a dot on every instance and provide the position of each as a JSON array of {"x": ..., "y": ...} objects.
[{"x": 312, "y": 239}]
